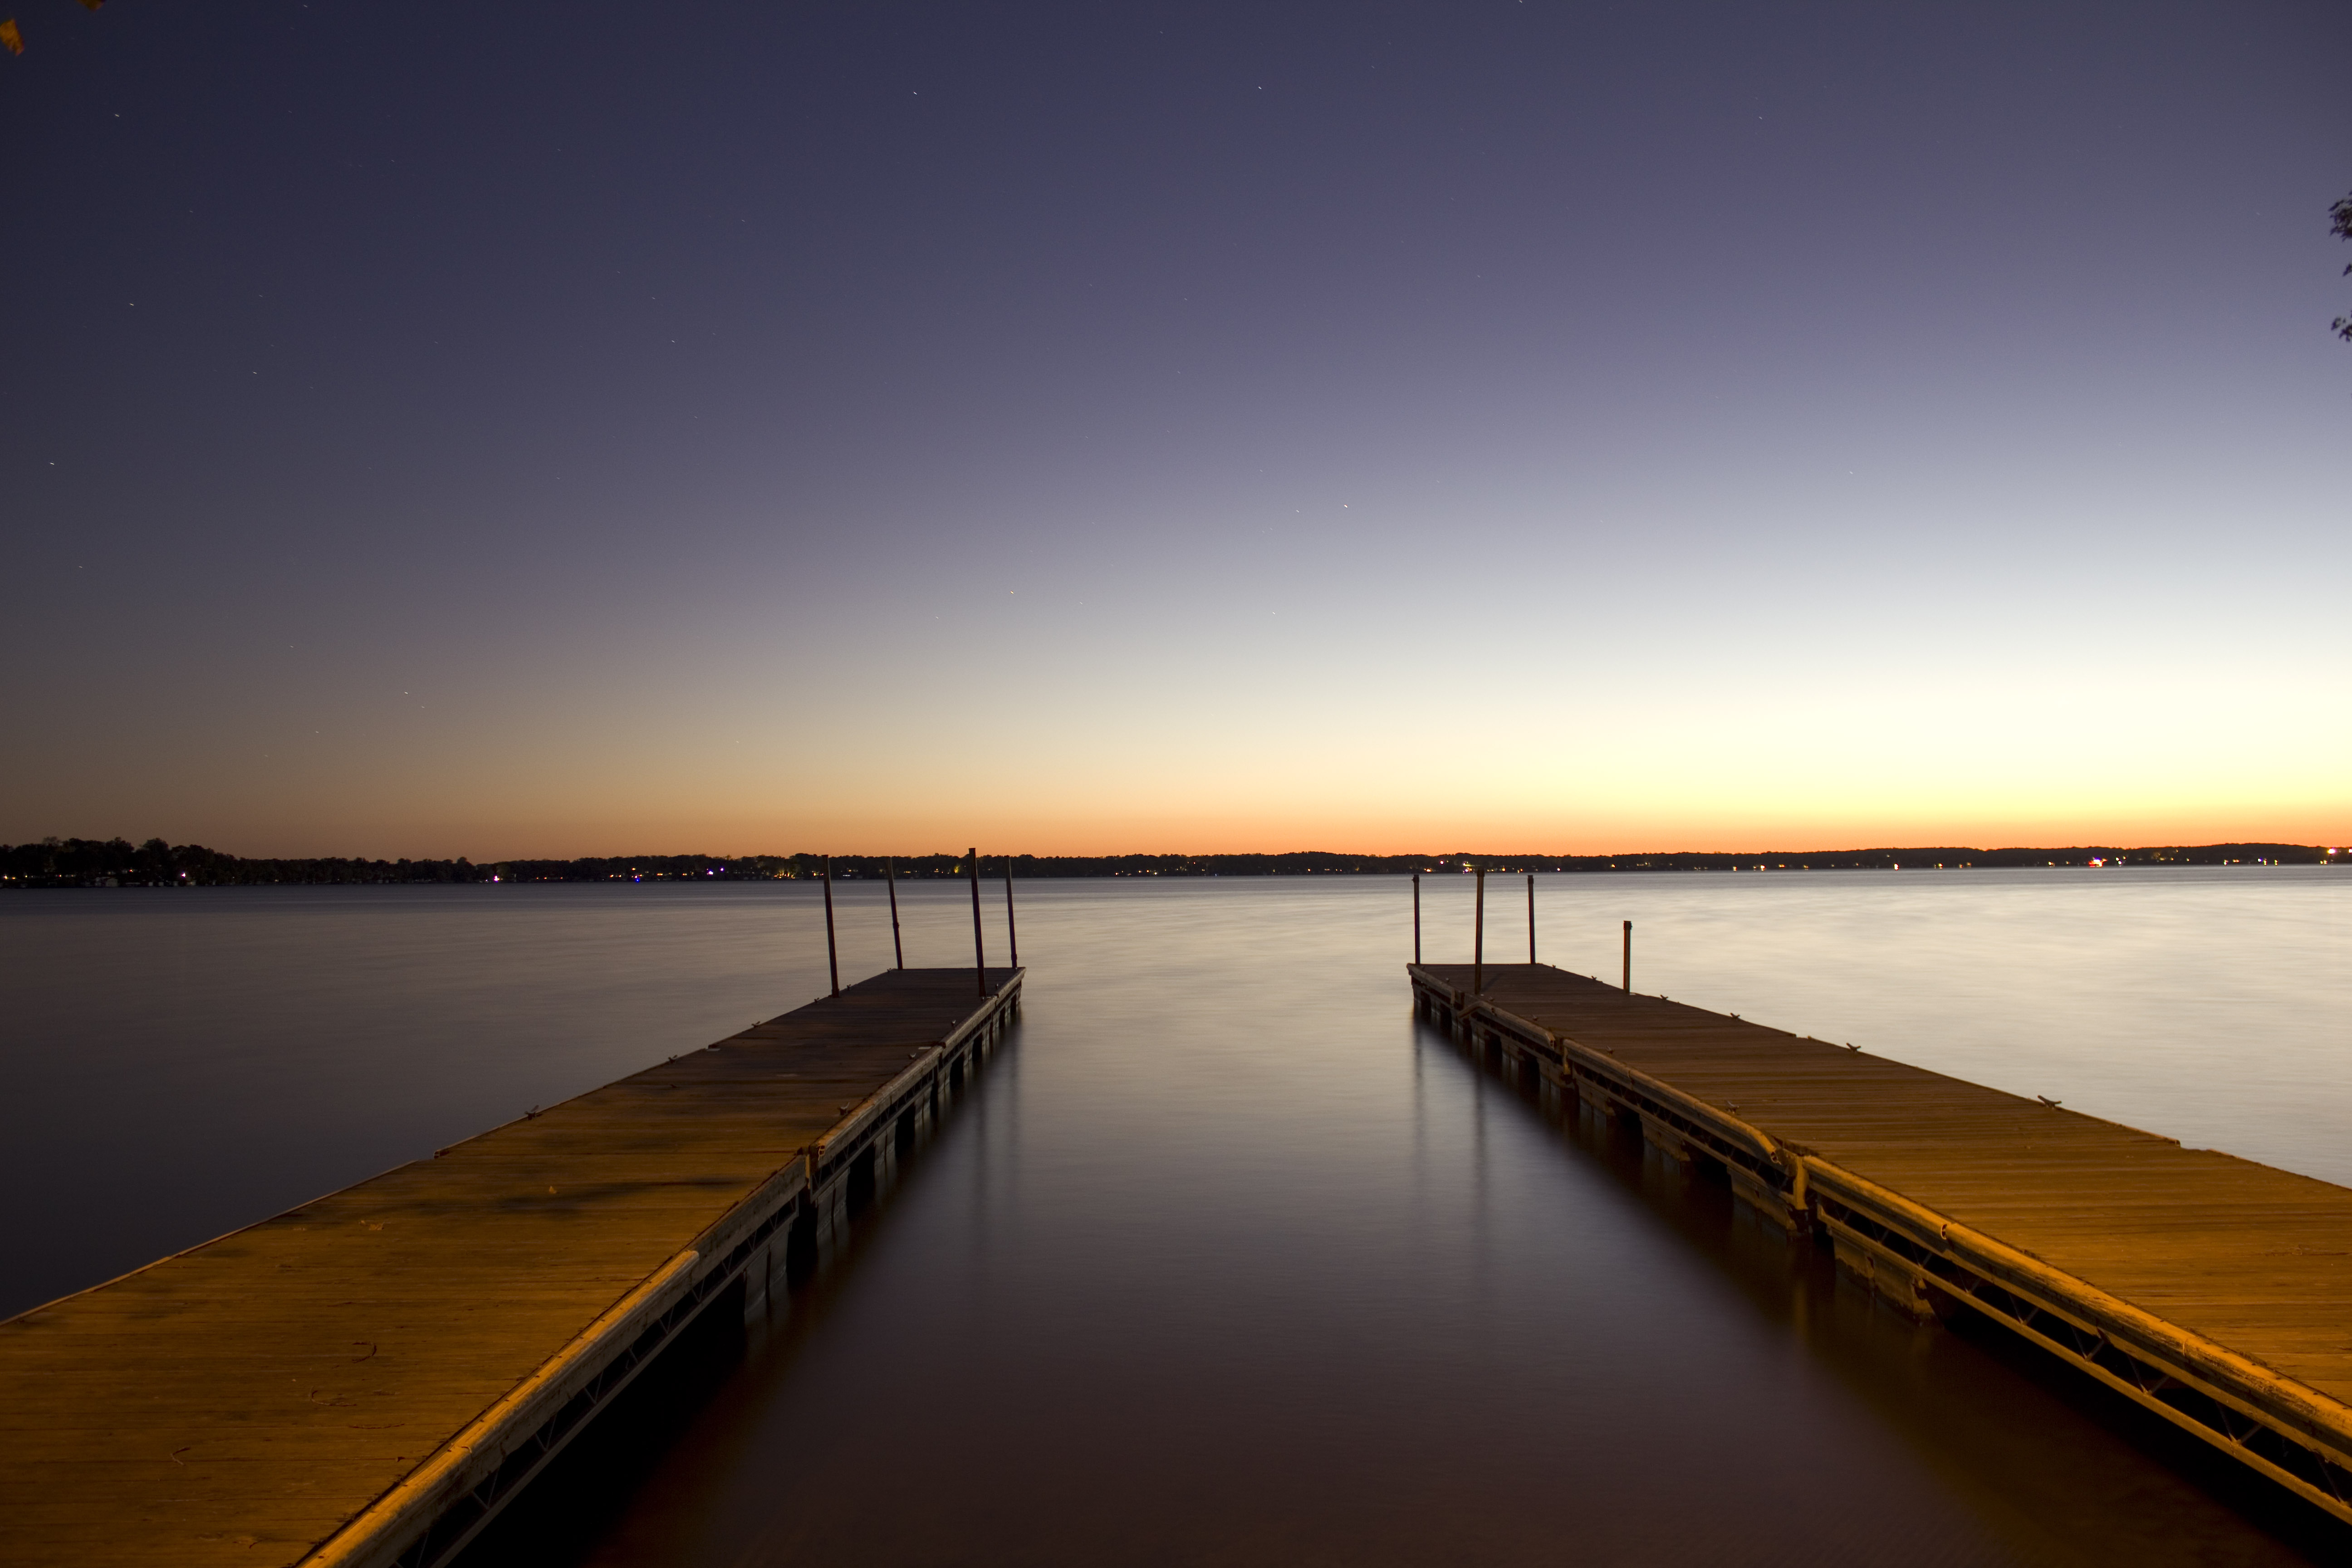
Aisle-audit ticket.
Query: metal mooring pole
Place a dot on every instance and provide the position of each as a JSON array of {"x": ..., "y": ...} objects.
[
  {"x": 1416, "y": 917},
  {"x": 1011, "y": 937},
  {"x": 898, "y": 948},
  {"x": 832, "y": 958},
  {"x": 1478, "y": 941},
  {"x": 1531, "y": 919},
  {"x": 979, "y": 954},
  {"x": 1628, "y": 958}
]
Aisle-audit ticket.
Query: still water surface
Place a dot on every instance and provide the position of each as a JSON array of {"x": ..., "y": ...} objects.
[{"x": 1227, "y": 1259}]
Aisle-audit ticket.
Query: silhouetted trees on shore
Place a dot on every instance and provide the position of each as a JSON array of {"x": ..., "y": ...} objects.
[{"x": 117, "y": 862}]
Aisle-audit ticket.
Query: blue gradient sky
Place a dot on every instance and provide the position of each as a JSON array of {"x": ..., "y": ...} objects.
[{"x": 540, "y": 429}]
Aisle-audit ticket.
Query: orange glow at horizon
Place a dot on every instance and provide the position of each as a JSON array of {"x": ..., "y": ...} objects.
[
  {"x": 1209, "y": 766},
  {"x": 1002, "y": 827}
]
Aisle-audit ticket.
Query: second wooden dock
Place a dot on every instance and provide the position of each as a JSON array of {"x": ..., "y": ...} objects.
[{"x": 2215, "y": 1291}]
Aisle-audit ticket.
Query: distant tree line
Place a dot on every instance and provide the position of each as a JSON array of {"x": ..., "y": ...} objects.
[{"x": 117, "y": 862}]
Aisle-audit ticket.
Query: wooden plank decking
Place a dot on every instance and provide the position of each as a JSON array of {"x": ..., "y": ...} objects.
[
  {"x": 2214, "y": 1291},
  {"x": 366, "y": 1378}
]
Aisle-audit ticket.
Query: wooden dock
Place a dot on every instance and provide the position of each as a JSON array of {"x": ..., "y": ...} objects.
[
  {"x": 2215, "y": 1291},
  {"x": 364, "y": 1380}
]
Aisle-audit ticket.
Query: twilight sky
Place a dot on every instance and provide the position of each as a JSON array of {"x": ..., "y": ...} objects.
[{"x": 554, "y": 429}]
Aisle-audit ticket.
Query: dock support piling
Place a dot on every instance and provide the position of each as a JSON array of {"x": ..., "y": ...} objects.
[
  {"x": 979, "y": 952},
  {"x": 1416, "y": 917},
  {"x": 832, "y": 956},
  {"x": 1478, "y": 940},
  {"x": 1531, "y": 918},
  {"x": 898, "y": 947},
  {"x": 1011, "y": 937},
  {"x": 1628, "y": 981}
]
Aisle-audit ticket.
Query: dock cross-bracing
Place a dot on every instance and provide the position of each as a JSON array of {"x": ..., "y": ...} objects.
[
  {"x": 364, "y": 1381},
  {"x": 2215, "y": 1291}
]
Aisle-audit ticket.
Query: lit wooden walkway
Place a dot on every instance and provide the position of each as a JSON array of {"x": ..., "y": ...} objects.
[
  {"x": 364, "y": 1380},
  {"x": 2213, "y": 1290}
]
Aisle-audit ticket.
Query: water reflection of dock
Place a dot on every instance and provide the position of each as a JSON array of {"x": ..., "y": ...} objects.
[
  {"x": 365, "y": 1379},
  {"x": 2214, "y": 1291}
]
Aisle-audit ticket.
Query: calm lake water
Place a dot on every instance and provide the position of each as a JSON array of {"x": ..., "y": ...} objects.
[{"x": 1228, "y": 1260}]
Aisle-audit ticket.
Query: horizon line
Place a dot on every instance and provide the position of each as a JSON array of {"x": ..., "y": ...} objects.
[{"x": 53, "y": 862}]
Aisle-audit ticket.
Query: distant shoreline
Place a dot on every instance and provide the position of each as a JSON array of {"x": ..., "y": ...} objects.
[{"x": 117, "y": 862}]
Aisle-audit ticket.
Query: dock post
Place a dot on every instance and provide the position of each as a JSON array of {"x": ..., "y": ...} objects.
[
  {"x": 1628, "y": 958},
  {"x": 1416, "y": 917},
  {"x": 978, "y": 953},
  {"x": 1011, "y": 937},
  {"x": 898, "y": 947},
  {"x": 832, "y": 957},
  {"x": 1478, "y": 941},
  {"x": 1531, "y": 920}
]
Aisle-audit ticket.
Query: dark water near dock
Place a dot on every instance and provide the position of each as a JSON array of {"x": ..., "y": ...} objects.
[{"x": 1227, "y": 1260}]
